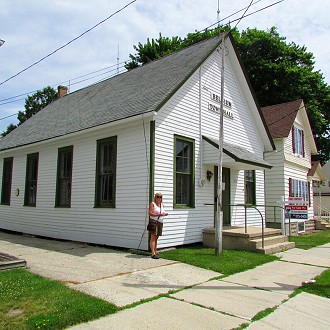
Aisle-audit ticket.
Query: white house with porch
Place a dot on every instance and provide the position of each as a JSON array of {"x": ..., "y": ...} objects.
[
  {"x": 86, "y": 167},
  {"x": 294, "y": 172}
]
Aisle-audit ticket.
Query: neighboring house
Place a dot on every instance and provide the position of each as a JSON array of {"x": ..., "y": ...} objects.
[
  {"x": 86, "y": 167},
  {"x": 292, "y": 174},
  {"x": 322, "y": 193}
]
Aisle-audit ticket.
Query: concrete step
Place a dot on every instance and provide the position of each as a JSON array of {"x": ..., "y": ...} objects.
[
  {"x": 270, "y": 249},
  {"x": 8, "y": 261},
  {"x": 235, "y": 238},
  {"x": 272, "y": 240},
  {"x": 322, "y": 225}
]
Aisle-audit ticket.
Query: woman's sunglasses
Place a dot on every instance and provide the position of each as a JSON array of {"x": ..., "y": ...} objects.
[{"x": 159, "y": 196}]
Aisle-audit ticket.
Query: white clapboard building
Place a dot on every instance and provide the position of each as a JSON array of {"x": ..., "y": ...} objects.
[{"x": 86, "y": 166}]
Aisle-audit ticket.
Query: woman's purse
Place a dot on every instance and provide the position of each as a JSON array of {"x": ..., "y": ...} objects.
[{"x": 151, "y": 225}]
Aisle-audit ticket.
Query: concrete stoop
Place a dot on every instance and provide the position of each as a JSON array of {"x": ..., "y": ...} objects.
[
  {"x": 8, "y": 261},
  {"x": 235, "y": 238},
  {"x": 322, "y": 224}
]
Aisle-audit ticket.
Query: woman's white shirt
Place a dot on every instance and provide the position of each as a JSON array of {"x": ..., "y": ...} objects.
[{"x": 158, "y": 210}]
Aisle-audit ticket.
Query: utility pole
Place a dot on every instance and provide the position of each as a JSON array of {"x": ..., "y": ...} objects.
[{"x": 219, "y": 220}]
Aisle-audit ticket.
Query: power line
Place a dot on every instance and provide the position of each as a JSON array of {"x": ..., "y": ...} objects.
[
  {"x": 13, "y": 99},
  {"x": 247, "y": 8},
  {"x": 68, "y": 43},
  {"x": 238, "y": 19},
  {"x": 16, "y": 100}
]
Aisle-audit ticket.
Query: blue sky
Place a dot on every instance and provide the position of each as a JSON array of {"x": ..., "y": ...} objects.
[{"x": 33, "y": 29}]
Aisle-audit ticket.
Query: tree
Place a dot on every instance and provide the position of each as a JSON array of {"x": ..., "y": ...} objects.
[
  {"x": 279, "y": 72},
  {"x": 33, "y": 104},
  {"x": 152, "y": 50}
]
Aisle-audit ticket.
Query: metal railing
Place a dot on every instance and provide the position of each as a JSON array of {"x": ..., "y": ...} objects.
[
  {"x": 323, "y": 213},
  {"x": 250, "y": 206}
]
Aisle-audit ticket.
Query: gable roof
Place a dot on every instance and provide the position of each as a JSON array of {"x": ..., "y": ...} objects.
[
  {"x": 280, "y": 117},
  {"x": 139, "y": 91},
  {"x": 316, "y": 172},
  {"x": 238, "y": 153}
]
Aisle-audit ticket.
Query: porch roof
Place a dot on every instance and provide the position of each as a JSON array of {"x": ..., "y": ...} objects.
[{"x": 237, "y": 156}]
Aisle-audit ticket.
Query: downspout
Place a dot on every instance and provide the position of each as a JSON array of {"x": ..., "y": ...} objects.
[{"x": 201, "y": 181}]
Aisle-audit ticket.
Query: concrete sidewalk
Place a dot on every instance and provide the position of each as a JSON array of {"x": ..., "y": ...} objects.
[{"x": 203, "y": 302}]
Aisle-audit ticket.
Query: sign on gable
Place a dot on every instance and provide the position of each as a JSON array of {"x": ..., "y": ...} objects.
[{"x": 216, "y": 108}]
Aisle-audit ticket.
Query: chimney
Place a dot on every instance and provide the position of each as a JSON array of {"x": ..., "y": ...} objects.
[{"x": 62, "y": 91}]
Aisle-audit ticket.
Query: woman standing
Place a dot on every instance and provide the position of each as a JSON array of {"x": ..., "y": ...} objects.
[{"x": 156, "y": 215}]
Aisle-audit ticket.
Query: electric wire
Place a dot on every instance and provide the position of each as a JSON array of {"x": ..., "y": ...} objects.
[
  {"x": 13, "y": 99},
  {"x": 247, "y": 8},
  {"x": 261, "y": 9},
  {"x": 243, "y": 16},
  {"x": 68, "y": 43},
  {"x": 2, "y": 102}
]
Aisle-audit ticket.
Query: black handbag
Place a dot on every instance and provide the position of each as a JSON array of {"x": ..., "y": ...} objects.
[{"x": 151, "y": 226}]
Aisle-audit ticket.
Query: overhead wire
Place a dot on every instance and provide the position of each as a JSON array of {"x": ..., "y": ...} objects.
[
  {"x": 68, "y": 43},
  {"x": 3, "y": 103},
  {"x": 261, "y": 9},
  {"x": 14, "y": 98}
]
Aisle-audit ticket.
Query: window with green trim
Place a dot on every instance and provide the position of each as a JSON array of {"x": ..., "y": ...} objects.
[
  {"x": 106, "y": 172},
  {"x": 64, "y": 177},
  {"x": 6, "y": 180},
  {"x": 30, "y": 197},
  {"x": 184, "y": 187},
  {"x": 250, "y": 187}
]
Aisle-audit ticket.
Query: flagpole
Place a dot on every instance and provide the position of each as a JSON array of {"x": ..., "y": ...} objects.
[{"x": 219, "y": 222}]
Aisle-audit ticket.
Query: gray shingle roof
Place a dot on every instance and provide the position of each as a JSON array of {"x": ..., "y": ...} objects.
[
  {"x": 138, "y": 91},
  {"x": 238, "y": 153}
]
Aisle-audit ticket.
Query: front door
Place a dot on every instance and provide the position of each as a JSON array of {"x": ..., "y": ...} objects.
[{"x": 225, "y": 194}]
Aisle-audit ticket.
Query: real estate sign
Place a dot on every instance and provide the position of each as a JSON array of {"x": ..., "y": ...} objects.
[{"x": 297, "y": 212}]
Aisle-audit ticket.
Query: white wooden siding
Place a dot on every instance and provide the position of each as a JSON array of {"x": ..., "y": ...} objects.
[
  {"x": 120, "y": 226},
  {"x": 180, "y": 116},
  {"x": 124, "y": 226},
  {"x": 287, "y": 165}
]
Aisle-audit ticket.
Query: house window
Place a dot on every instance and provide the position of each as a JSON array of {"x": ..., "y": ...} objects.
[
  {"x": 298, "y": 141},
  {"x": 64, "y": 177},
  {"x": 184, "y": 194},
  {"x": 298, "y": 188},
  {"x": 31, "y": 177},
  {"x": 250, "y": 187},
  {"x": 6, "y": 180},
  {"x": 301, "y": 226},
  {"x": 106, "y": 172}
]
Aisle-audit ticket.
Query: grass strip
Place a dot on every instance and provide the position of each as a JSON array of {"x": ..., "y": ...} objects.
[
  {"x": 29, "y": 301},
  {"x": 229, "y": 262},
  {"x": 311, "y": 240}
]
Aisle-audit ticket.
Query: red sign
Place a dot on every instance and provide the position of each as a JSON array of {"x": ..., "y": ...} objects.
[
  {"x": 295, "y": 198},
  {"x": 297, "y": 207}
]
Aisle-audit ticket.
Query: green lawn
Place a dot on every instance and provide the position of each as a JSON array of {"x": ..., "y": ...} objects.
[
  {"x": 309, "y": 241},
  {"x": 229, "y": 262},
  {"x": 29, "y": 301},
  {"x": 321, "y": 287}
]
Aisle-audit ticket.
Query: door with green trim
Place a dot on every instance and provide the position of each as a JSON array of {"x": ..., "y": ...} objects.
[{"x": 225, "y": 194}]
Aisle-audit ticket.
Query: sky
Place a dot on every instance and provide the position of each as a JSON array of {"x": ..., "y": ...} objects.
[{"x": 60, "y": 34}]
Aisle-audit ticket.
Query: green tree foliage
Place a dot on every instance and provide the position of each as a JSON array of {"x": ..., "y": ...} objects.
[
  {"x": 152, "y": 50},
  {"x": 33, "y": 104},
  {"x": 282, "y": 72},
  {"x": 279, "y": 72}
]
